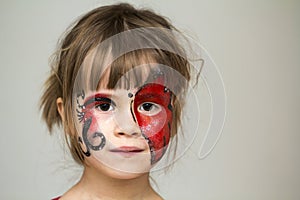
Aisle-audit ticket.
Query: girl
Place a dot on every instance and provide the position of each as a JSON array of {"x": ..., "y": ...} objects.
[{"x": 117, "y": 87}]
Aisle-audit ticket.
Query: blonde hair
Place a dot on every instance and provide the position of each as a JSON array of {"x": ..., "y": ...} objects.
[{"x": 84, "y": 36}]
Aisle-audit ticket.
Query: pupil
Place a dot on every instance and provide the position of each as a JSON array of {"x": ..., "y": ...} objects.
[
  {"x": 147, "y": 106},
  {"x": 104, "y": 107}
]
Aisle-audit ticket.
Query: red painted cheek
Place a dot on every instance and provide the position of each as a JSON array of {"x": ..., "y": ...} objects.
[
  {"x": 150, "y": 126},
  {"x": 89, "y": 109},
  {"x": 89, "y": 114},
  {"x": 157, "y": 128}
]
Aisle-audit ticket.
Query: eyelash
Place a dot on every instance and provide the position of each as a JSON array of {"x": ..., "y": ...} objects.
[
  {"x": 146, "y": 108},
  {"x": 108, "y": 106},
  {"x": 151, "y": 108}
]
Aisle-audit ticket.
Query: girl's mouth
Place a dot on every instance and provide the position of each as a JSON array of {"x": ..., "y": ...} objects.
[{"x": 127, "y": 150}]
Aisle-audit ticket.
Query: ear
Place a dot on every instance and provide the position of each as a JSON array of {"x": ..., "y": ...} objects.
[{"x": 60, "y": 108}]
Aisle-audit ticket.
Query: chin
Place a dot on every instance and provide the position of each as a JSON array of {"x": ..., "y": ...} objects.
[
  {"x": 126, "y": 175},
  {"x": 125, "y": 170}
]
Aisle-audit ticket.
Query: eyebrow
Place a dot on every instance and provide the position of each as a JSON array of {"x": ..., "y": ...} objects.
[
  {"x": 99, "y": 97},
  {"x": 150, "y": 96}
]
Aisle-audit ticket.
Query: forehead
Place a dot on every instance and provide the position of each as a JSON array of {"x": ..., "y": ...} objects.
[
  {"x": 131, "y": 70},
  {"x": 114, "y": 94}
]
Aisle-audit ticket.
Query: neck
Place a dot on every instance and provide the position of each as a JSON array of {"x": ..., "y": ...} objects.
[{"x": 96, "y": 185}]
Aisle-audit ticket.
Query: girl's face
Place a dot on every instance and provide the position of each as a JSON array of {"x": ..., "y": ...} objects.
[{"x": 125, "y": 130}]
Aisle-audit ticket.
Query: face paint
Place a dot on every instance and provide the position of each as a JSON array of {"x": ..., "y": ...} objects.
[
  {"x": 153, "y": 111},
  {"x": 92, "y": 138},
  {"x": 130, "y": 95},
  {"x": 150, "y": 108}
]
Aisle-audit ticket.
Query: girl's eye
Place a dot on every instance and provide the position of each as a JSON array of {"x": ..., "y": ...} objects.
[
  {"x": 149, "y": 108},
  {"x": 104, "y": 107}
]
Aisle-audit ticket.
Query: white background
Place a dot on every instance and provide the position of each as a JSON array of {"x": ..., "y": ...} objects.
[{"x": 256, "y": 45}]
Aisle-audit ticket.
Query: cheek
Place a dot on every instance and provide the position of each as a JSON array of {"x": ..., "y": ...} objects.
[
  {"x": 151, "y": 126},
  {"x": 94, "y": 123},
  {"x": 156, "y": 129},
  {"x": 92, "y": 133},
  {"x": 99, "y": 123}
]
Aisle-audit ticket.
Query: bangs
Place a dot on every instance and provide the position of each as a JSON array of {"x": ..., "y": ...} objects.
[
  {"x": 132, "y": 59},
  {"x": 135, "y": 69},
  {"x": 132, "y": 70}
]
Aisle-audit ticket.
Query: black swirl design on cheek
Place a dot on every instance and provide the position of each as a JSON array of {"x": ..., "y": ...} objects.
[
  {"x": 87, "y": 153},
  {"x": 81, "y": 109},
  {"x": 86, "y": 126},
  {"x": 86, "y": 141},
  {"x": 85, "y": 129}
]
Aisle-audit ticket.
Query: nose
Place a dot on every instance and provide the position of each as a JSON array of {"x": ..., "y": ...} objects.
[{"x": 126, "y": 126}]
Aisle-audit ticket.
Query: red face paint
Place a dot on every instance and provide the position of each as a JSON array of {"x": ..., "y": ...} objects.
[
  {"x": 92, "y": 138},
  {"x": 155, "y": 128},
  {"x": 89, "y": 108}
]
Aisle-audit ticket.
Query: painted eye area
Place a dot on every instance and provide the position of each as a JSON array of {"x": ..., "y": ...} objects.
[
  {"x": 104, "y": 106},
  {"x": 149, "y": 108},
  {"x": 153, "y": 112},
  {"x": 99, "y": 103}
]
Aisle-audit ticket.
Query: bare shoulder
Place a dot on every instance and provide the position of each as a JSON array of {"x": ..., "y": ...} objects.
[
  {"x": 154, "y": 196},
  {"x": 72, "y": 194},
  {"x": 69, "y": 196}
]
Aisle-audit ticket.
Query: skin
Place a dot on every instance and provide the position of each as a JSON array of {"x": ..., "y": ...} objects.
[
  {"x": 96, "y": 185},
  {"x": 150, "y": 108},
  {"x": 100, "y": 181},
  {"x": 156, "y": 127},
  {"x": 107, "y": 112}
]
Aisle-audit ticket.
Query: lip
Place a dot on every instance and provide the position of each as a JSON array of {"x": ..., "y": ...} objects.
[{"x": 127, "y": 150}]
